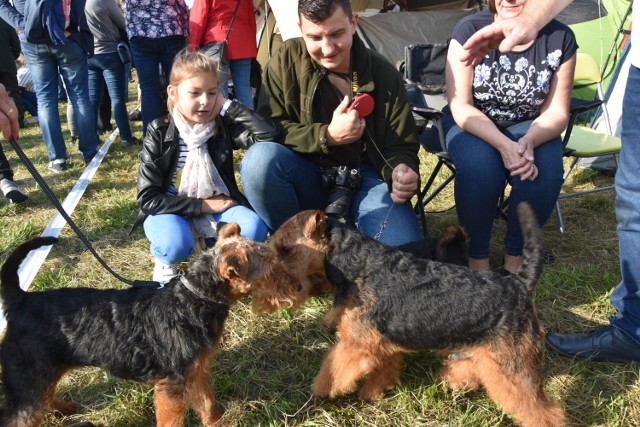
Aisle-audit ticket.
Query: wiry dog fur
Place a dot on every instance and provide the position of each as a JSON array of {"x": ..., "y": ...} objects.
[
  {"x": 167, "y": 337},
  {"x": 388, "y": 302}
]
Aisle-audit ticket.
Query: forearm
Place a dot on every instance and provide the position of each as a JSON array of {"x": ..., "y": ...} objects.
[
  {"x": 548, "y": 126},
  {"x": 540, "y": 12}
]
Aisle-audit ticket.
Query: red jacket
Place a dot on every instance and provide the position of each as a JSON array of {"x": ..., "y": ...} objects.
[{"x": 209, "y": 21}]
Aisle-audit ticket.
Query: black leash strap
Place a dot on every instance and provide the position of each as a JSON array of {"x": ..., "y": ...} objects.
[{"x": 47, "y": 191}]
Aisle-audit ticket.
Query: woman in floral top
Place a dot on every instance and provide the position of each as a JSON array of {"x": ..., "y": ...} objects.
[
  {"x": 157, "y": 31},
  {"x": 509, "y": 112}
]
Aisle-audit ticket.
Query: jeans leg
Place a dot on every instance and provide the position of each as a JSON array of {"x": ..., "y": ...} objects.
[
  {"x": 147, "y": 64},
  {"x": 251, "y": 225},
  {"x": 5, "y": 168},
  {"x": 114, "y": 76},
  {"x": 377, "y": 216},
  {"x": 95, "y": 84},
  {"x": 73, "y": 67},
  {"x": 170, "y": 237},
  {"x": 223, "y": 75},
  {"x": 279, "y": 183},
  {"x": 43, "y": 65},
  {"x": 241, "y": 75},
  {"x": 626, "y": 296},
  {"x": 30, "y": 102},
  {"x": 541, "y": 194},
  {"x": 480, "y": 179}
]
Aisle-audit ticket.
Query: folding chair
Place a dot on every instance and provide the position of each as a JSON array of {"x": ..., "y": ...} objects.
[
  {"x": 582, "y": 140},
  {"x": 424, "y": 72}
]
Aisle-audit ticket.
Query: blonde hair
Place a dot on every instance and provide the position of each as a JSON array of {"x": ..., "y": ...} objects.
[{"x": 187, "y": 63}]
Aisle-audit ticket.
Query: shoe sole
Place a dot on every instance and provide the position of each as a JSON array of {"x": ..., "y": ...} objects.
[{"x": 16, "y": 196}]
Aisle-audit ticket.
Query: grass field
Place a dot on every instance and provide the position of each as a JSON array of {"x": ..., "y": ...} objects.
[{"x": 263, "y": 374}]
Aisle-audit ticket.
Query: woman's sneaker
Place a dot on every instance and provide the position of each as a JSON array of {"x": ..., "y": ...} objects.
[
  {"x": 163, "y": 272},
  {"x": 58, "y": 165},
  {"x": 11, "y": 191}
]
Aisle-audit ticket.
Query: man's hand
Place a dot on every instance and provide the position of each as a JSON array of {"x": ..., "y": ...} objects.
[
  {"x": 503, "y": 34},
  {"x": 404, "y": 183},
  {"x": 8, "y": 116},
  {"x": 346, "y": 126}
]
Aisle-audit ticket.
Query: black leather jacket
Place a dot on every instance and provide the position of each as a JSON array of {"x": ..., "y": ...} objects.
[{"x": 240, "y": 128}]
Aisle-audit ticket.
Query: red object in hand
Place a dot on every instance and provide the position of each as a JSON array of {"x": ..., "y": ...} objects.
[{"x": 363, "y": 104}]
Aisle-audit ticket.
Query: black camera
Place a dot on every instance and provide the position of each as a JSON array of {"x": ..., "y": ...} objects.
[{"x": 341, "y": 182}]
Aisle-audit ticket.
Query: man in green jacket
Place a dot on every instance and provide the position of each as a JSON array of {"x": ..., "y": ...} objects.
[{"x": 307, "y": 89}]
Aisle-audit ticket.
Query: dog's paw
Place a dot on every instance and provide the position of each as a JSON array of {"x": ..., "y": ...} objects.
[
  {"x": 64, "y": 408},
  {"x": 371, "y": 394}
]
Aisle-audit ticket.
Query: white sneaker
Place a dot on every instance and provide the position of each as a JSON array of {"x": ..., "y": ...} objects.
[
  {"x": 11, "y": 191},
  {"x": 163, "y": 272}
]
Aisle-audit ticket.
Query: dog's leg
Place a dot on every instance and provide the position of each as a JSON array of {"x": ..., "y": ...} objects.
[
  {"x": 383, "y": 377},
  {"x": 458, "y": 371},
  {"x": 517, "y": 387},
  {"x": 341, "y": 370},
  {"x": 29, "y": 392},
  {"x": 352, "y": 358},
  {"x": 170, "y": 403},
  {"x": 200, "y": 393}
]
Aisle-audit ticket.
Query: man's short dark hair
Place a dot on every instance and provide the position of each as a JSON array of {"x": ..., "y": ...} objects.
[{"x": 319, "y": 10}]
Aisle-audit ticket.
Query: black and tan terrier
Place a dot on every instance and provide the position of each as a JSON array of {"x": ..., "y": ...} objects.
[
  {"x": 164, "y": 336},
  {"x": 388, "y": 302}
]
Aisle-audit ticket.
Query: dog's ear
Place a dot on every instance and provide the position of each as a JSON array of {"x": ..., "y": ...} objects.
[
  {"x": 234, "y": 265},
  {"x": 228, "y": 230},
  {"x": 315, "y": 225}
]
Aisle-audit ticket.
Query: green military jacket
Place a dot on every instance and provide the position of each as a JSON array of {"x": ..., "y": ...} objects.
[{"x": 290, "y": 81}]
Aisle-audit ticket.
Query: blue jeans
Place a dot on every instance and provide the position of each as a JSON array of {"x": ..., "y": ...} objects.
[
  {"x": 171, "y": 240},
  {"x": 71, "y": 61},
  {"x": 148, "y": 55},
  {"x": 480, "y": 180},
  {"x": 280, "y": 183},
  {"x": 241, "y": 76},
  {"x": 626, "y": 296},
  {"x": 109, "y": 68},
  {"x": 30, "y": 102}
]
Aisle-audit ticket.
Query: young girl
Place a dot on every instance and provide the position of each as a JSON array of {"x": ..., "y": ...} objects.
[{"x": 186, "y": 181}]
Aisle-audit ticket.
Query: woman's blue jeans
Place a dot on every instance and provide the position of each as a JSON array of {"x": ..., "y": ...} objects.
[
  {"x": 241, "y": 76},
  {"x": 109, "y": 68},
  {"x": 46, "y": 62},
  {"x": 626, "y": 296},
  {"x": 148, "y": 55},
  {"x": 171, "y": 239},
  {"x": 480, "y": 180},
  {"x": 279, "y": 183}
]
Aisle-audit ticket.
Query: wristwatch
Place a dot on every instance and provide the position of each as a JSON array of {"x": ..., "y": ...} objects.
[{"x": 323, "y": 140}]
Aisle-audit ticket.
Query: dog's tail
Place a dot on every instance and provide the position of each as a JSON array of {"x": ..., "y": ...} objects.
[
  {"x": 10, "y": 289},
  {"x": 533, "y": 256}
]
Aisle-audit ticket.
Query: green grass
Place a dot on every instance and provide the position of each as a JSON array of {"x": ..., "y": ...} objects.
[{"x": 267, "y": 362}]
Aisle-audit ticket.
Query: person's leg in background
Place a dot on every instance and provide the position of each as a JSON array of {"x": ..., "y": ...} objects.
[
  {"x": 241, "y": 76},
  {"x": 147, "y": 62},
  {"x": 73, "y": 67},
  {"x": 8, "y": 187},
  {"x": 43, "y": 65},
  {"x": 114, "y": 76}
]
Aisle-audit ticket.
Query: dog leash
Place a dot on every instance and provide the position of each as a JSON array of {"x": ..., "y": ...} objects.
[{"x": 47, "y": 191}]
